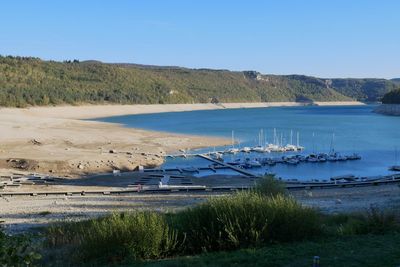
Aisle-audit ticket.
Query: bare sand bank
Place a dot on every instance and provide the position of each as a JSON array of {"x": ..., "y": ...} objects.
[
  {"x": 55, "y": 140},
  {"x": 44, "y": 143},
  {"x": 98, "y": 111}
]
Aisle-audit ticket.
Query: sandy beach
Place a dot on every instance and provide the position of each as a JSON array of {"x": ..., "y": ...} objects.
[
  {"x": 98, "y": 111},
  {"x": 55, "y": 140}
]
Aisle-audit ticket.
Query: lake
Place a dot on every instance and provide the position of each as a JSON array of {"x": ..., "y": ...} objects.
[{"x": 355, "y": 128}]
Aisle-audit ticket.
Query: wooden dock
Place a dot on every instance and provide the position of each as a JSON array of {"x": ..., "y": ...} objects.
[
  {"x": 185, "y": 189},
  {"x": 239, "y": 170}
]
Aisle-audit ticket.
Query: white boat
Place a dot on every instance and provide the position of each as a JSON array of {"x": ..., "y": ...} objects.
[
  {"x": 290, "y": 147},
  {"x": 298, "y": 146},
  {"x": 252, "y": 163},
  {"x": 259, "y": 149},
  {"x": 347, "y": 178},
  {"x": 217, "y": 156},
  {"x": 233, "y": 149},
  {"x": 246, "y": 149}
]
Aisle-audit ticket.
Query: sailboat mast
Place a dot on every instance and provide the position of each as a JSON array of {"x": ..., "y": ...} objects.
[
  {"x": 233, "y": 139},
  {"x": 265, "y": 138},
  {"x": 332, "y": 150},
  {"x": 291, "y": 137},
  {"x": 313, "y": 142},
  {"x": 298, "y": 143}
]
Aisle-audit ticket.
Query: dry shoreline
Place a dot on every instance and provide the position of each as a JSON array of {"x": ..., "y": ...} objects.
[
  {"x": 98, "y": 111},
  {"x": 55, "y": 140}
]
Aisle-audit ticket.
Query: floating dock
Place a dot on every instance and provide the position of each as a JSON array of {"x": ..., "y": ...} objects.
[
  {"x": 387, "y": 180},
  {"x": 239, "y": 170}
]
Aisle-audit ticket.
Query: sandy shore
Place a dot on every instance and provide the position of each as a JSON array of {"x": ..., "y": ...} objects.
[
  {"x": 55, "y": 139},
  {"x": 45, "y": 143},
  {"x": 98, "y": 111}
]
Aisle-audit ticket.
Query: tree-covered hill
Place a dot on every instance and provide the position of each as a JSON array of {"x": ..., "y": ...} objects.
[
  {"x": 28, "y": 81},
  {"x": 396, "y": 80},
  {"x": 392, "y": 97}
]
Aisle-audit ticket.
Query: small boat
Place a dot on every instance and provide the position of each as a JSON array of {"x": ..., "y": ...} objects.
[
  {"x": 395, "y": 168},
  {"x": 259, "y": 149},
  {"x": 354, "y": 156},
  {"x": 290, "y": 147},
  {"x": 232, "y": 150},
  {"x": 217, "y": 156},
  {"x": 312, "y": 158},
  {"x": 235, "y": 162},
  {"x": 252, "y": 163},
  {"x": 292, "y": 161},
  {"x": 346, "y": 178},
  {"x": 246, "y": 149}
]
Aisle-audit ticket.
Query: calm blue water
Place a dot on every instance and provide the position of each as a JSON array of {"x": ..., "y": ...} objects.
[{"x": 356, "y": 128}]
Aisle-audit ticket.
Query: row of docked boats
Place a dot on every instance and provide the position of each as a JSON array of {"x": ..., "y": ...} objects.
[
  {"x": 264, "y": 147},
  {"x": 268, "y": 148},
  {"x": 292, "y": 160}
]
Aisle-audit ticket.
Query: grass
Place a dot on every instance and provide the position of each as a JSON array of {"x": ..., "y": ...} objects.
[
  {"x": 137, "y": 235},
  {"x": 270, "y": 187},
  {"x": 245, "y": 219},
  {"x": 364, "y": 250}
]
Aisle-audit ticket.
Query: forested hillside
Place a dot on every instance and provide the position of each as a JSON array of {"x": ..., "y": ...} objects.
[
  {"x": 392, "y": 97},
  {"x": 26, "y": 81}
]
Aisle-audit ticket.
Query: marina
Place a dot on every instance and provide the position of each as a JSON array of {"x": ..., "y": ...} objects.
[{"x": 251, "y": 130}]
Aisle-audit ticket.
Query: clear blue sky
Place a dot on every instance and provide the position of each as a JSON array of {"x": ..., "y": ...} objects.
[{"x": 336, "y": 38}]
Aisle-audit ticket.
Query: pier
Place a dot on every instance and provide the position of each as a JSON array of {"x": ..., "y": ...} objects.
[
  {"x": 239, "y": 170},
  {"x": 387, "y": 180}
]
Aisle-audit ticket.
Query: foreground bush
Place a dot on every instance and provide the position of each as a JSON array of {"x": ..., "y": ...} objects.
[
  {"x": 245, "y": 219},
  {"x": 138, "y": 235},
  {"x": 374, "y": 221},
  {"x": 270, "y": 187},
  {"x": 17, "y": 251}
]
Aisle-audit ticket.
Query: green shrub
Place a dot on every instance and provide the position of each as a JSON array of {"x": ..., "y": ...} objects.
[
  {"x": 137, "y": 235},
  {"x": 374, "y": 221},
  {"x": 269, "y": 186},
  {"x": 245, "y": 219},
  {"x": 17, "y": 251}
]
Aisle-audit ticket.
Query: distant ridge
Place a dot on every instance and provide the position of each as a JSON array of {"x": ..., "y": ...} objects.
[
  {"x": 396, "y": 80},
  {"x": 26, "y": 81}
]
